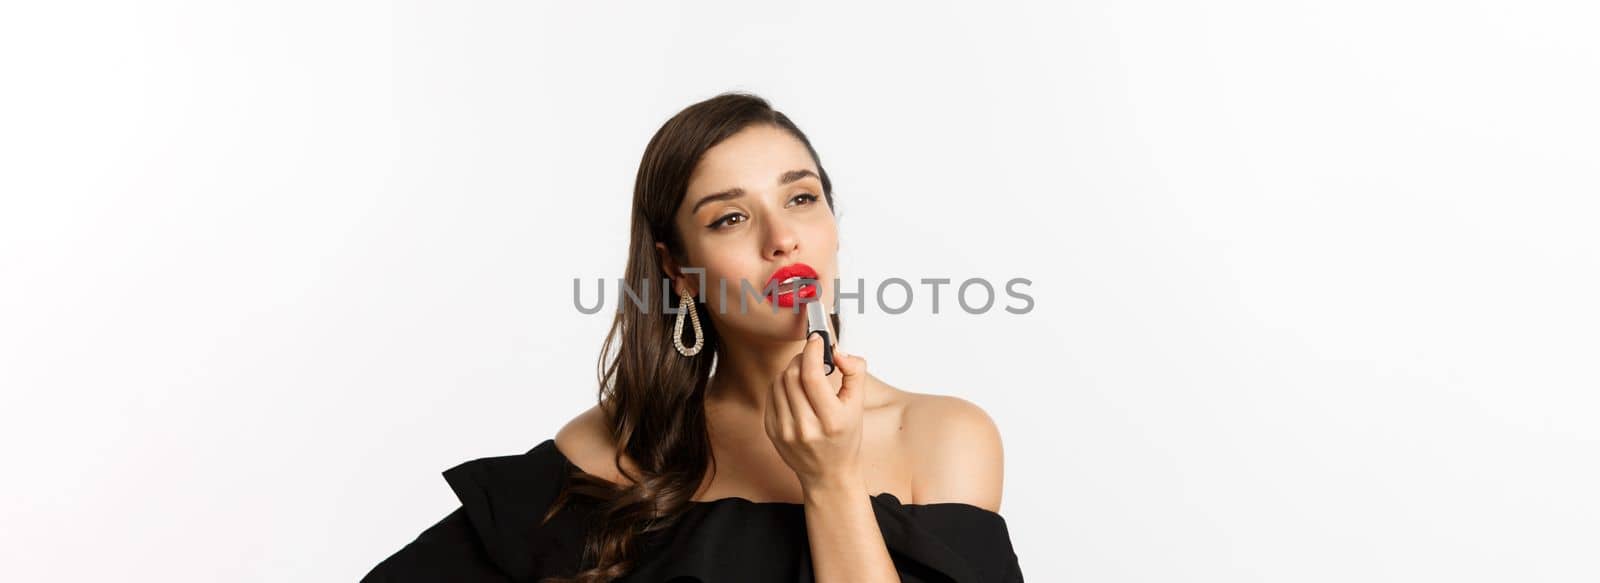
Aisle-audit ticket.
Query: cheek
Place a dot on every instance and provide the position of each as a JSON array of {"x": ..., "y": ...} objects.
[
  {"x": 831, "y": 235},
  {"x": 824, "y": 228},
  {"x": 719, "y": 269},
  {"x": 826, "y": 237}
]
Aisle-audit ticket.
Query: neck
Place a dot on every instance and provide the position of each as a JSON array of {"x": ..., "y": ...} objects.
[{"x": 746, "y": 369}]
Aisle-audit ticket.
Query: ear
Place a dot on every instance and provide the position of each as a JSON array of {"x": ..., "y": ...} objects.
[{"x": 671, "y": 269}]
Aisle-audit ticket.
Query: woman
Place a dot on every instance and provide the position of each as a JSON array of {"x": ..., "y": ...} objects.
[{"x": 774, "y": 468}]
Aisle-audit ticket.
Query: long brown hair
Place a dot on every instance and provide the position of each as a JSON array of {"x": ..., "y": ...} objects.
[{"x": 653, "y": 397}]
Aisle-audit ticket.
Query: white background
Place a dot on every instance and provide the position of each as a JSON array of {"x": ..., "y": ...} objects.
[{"x": 1314, "y": 282}]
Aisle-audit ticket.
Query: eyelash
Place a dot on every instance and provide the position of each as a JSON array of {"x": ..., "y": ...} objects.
[{"x": 717, "y": 224}]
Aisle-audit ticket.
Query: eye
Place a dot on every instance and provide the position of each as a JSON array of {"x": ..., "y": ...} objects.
[
  {"x": 717, "y": 224},
  {"x": 728, "y": 219}
]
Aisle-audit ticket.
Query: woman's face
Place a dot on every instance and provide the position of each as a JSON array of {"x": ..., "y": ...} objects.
[{"x": 754, "y": 205}]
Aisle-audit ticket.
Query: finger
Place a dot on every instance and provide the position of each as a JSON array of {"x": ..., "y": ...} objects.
[
  {"x": 769, "y": 414},
  {"x": 854, "y": 369},
  {"x": 805, "y": 420},
  {"x": 819, "y": 391},
  {"x": 838, "y": 353}
]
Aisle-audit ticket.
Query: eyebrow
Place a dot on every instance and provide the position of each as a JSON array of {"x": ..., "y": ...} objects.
[{"x": 733, "y": 193}]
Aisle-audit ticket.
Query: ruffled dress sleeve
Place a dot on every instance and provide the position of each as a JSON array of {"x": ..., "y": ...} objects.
[
  {"x": 947, "y": 541},
  {"x": 495, "y": 536}
]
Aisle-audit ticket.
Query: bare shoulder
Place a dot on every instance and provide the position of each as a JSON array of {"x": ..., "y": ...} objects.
[
  {"x": 586, "y": 442},
  {"x": 955, "y": 451}
]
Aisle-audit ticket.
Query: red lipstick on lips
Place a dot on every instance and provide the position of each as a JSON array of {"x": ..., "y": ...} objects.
[{"x": 786, "y": 294}]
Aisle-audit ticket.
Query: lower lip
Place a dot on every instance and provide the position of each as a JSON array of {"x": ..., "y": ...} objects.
[{"x": 786, "y": 299}]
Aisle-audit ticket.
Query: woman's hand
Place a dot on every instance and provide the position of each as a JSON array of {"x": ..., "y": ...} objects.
[{"x": 814, "y": 419}]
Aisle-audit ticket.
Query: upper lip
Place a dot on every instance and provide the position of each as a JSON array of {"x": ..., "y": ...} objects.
[{"x": 791, "y": 270}]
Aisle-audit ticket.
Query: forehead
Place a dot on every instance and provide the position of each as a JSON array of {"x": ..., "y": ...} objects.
[{"x": 751, "y": 159}]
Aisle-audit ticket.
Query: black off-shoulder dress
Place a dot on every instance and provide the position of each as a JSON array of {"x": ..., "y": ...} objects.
[{"x": 495, "y": 536}]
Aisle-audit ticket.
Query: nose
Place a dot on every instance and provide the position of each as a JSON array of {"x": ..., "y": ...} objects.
[{"x": 782, "y": 240}]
